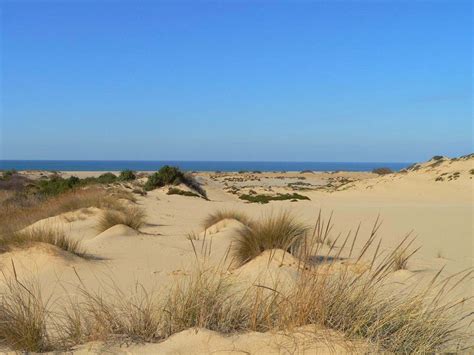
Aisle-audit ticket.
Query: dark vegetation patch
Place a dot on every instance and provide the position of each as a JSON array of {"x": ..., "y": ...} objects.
[
  {"x": 127, "y": 175},
  {"x": 414, "y": 167},
  {"x": 382, "y": 171},
  {"x": 171, "y": 175},
  {"x": 176, "y": 191},
  {"x": 268, "y": 198}
]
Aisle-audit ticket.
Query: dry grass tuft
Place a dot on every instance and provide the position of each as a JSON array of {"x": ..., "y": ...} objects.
[
  {"x": 134, "y": 217},
  {"x": 112, "y": 314},
  {"x": 279, "y": 231},
  {"x": 401, "y": 256},
  {"x": 42, "y": 234},
  {"x": 23, "y": 317},
  {"x": 218, "y": 216}
]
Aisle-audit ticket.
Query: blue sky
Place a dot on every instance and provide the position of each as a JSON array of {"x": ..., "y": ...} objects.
[{"x": 216, "y": 80}]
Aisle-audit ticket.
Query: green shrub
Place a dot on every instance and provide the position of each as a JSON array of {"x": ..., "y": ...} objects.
[
  {"x": 107, "y": 178},
  {"x": 170, "y": 175},
  {"x": 268, "y": 198},
  {"x": 127, "y": 175},
  {"x": 167, "y": 175},
  {"x": 57, "y": 185}
]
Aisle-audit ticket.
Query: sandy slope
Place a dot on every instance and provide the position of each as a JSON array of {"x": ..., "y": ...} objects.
[{"x": 440, "y": 212}]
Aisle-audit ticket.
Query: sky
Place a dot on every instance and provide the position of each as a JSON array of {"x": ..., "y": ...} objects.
[{"x": 374, "y": 81}]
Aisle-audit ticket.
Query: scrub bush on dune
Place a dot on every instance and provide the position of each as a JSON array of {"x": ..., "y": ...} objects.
[{"x": 171, "y": 175}]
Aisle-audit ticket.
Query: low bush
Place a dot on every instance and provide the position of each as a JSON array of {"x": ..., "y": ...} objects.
[
  {"x": 127, "y": 175},
  {"x": 106, "y": 178},
  {"x": 267, "y": 198},
  {"x": 170, "y": 175}
]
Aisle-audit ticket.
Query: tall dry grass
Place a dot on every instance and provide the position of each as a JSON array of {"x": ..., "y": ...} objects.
[
  {"x": 277, "y": 231},
  {"x": 23, "y": 316},
  {"x": 20, "y": 211},
  {"x": 42, "y": 234}
]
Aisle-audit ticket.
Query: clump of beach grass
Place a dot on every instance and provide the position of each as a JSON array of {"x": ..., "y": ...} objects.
[
  {"x": 277, "y": 231},
  {"x": 217, "y": 216},
  {"x": 133, "y": 217},
  {"x": 42, "y": 234},
  {"x": 23, "y": 316}
]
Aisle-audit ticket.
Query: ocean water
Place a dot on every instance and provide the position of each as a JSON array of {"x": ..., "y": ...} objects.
[{"x": 117, "y": 165}]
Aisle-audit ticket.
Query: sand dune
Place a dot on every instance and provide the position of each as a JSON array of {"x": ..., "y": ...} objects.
[{"x": 434, "y": 199}]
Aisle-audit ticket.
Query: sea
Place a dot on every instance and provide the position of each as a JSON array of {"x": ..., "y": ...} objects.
[{"x": 153, "y": 165}]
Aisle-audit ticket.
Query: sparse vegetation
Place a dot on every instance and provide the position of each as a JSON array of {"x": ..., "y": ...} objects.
[
  {"x": 57, "y": 185},
  {"x": 218, "y": 216},
  {"x": 336, "y": 297},
  {"x": 6, "y": 174},
  {"x": 400, "y": 258},
  {"x": 133, "y": 217},
  {"x": 176, "y": 191},
  {"x": 280, "y": 231},
  {"x": 267, "y": 198},
  {"x": 382, "y": 171}
]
